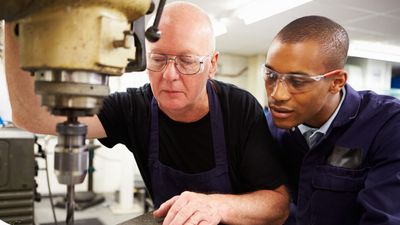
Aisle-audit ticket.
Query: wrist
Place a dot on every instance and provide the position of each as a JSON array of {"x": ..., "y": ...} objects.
[{"x": 220, "y": 204}]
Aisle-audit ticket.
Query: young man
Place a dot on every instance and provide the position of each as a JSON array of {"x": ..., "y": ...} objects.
[
  {"x": 338, "y": 146},
  {"x": 184, "y": 129}
]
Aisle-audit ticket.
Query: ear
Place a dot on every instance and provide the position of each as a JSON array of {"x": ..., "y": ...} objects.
[
  {"x": 214, "y": 65},
  {"x": 339, "y": 80}
]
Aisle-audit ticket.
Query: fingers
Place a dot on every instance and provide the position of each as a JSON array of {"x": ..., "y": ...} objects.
[
  {"x": 203, "y": 217},
  {"x": 205, "y": 223},
  {"x": 196, "y": 218},
  {"x": 165, "y": 207},
  {"x": 189, "y": 213},
  {"x": 192, "y": 208},
  {"x": 175, "y": 209}
]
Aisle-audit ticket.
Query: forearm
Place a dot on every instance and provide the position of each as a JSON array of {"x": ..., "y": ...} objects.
[
  {"x": 259, "y": 207},
  {"x": 26, "y": 110}
]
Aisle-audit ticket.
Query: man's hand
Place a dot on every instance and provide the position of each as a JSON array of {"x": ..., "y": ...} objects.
[{"x": 189, "y": 208}]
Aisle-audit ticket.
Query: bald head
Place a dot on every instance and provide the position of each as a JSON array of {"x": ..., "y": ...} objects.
[
  {"x": 187, "y": 20},
  {"x": 332, "y": 37}
]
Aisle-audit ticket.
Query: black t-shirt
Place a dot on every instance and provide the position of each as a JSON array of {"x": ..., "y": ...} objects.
[
  {"x": 126, "y": 116},
  {"x": 183, "y": 142}
]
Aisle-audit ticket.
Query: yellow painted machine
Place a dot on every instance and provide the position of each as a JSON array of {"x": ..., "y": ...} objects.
[{"x": 71, "y": 47}]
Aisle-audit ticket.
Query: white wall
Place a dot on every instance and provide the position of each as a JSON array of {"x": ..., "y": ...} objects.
[
  {"x": 369, "y": 74},
  {"x": 229, "y": 68},
  {"x": 255, "y": 84},
  {"x": 5, "y": 108},
  {"x": 128, "y": 80},
  {"x": 252, "y": 80}
]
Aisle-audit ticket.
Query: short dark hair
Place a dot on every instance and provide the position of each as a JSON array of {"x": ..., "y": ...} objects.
[{"x": 333, "y": 38}]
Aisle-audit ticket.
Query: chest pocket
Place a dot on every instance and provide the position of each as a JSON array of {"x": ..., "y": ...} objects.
[{"x": 334, "y": 198}]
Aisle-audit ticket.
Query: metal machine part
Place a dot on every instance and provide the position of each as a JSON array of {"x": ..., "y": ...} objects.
[
  {"x": 71, "y": 93},
  {"x": 17, "y": 171},
  {"x": 71, "y": 156},
  {"x": 153, "y": 34},
  {"x": 145, "y": 219},
  {"x": 71, "y": 47}
]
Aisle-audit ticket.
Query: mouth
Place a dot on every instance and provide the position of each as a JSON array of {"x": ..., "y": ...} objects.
[
  {"x": 280, "y": 112},
  {"x": 171, "y": 92}
]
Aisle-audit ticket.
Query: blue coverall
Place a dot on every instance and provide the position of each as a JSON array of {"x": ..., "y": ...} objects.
[{"x": 352, "y": 175}]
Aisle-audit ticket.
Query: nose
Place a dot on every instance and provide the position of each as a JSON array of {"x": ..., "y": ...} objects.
[
  {"x": 170, "y": 72},
  {"x": 280, "y": 91}
]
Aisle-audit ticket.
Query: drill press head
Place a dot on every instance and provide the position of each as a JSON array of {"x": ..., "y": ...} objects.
[{"x": 71, "y": 47}]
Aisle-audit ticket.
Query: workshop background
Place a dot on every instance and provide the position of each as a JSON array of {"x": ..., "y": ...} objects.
[{"x": 244, "y": 29}]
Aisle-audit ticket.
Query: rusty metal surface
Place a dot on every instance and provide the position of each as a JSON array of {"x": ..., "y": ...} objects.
[
  {"x": 17, "y": 9},
  {"x": 145, "y": 219}
]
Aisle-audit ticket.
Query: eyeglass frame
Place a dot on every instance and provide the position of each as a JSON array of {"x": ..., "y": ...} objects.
[
  {"x": 282, "y": 76},
  {"x": 201, "y": 60}
]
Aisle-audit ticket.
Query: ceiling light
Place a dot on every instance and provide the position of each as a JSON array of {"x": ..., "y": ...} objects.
[
  {"x": 374, "y": 50},
  {"x": 218, "y": 27},
  {"x": 261, "y": 9}
]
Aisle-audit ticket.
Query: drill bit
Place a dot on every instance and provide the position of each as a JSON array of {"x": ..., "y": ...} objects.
[{"x": 70, "y": 204}]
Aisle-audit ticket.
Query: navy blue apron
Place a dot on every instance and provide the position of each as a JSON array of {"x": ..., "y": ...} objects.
[{"x": 167, "y": 182}]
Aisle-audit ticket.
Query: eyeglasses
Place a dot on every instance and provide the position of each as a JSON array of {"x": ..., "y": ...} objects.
[
  {"x": 294, "y": 83},
  {"x": 185, "y": 64}
]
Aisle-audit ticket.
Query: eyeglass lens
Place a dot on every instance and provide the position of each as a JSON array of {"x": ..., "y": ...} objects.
[
  {"x": 185, "y": 64},
  {"x": 295, "y": 83}
]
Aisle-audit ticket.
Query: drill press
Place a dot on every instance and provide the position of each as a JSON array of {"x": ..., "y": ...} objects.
[{"x": 71, "y": 47}]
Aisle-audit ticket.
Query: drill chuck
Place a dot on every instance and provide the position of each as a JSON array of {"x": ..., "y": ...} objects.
[{"x": 71, "y": 155}]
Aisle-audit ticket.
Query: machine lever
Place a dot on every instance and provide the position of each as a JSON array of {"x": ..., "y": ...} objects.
[{"x": 153, "y": 34}]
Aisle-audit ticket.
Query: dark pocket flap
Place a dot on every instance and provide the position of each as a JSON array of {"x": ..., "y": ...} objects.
[{"x": 339, "y": 179}]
